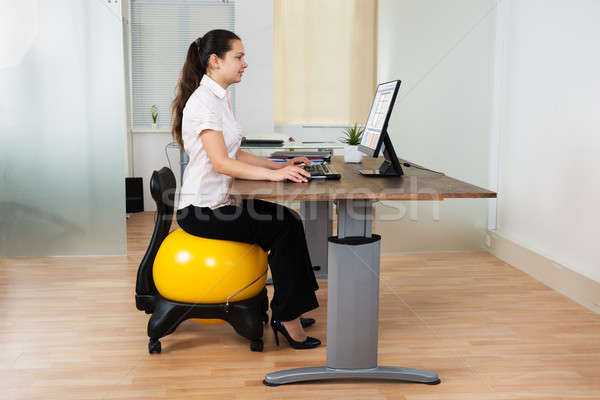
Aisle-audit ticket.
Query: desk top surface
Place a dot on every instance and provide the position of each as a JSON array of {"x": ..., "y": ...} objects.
[{"x": 415, "y": 184}]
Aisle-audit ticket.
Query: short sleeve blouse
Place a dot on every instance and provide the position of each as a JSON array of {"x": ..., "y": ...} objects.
[{"x": 209, "y": 107}]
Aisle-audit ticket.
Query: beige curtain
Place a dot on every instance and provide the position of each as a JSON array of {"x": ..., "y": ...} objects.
[{"x": 325, "y": 61}]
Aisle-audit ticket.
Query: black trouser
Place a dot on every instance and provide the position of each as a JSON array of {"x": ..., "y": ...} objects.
[{"x": 276, "y": 229}]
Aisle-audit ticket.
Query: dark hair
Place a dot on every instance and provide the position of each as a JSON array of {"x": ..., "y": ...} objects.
[{"x": 217, "y": 41}]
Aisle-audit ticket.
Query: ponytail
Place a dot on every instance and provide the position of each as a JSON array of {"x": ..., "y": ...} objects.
[{"x": 217, "y": 42}]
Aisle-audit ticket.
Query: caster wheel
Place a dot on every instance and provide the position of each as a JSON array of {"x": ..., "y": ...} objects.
[
  {"x": 154, "y": 346},
  {"x": 256, "y": 345}
]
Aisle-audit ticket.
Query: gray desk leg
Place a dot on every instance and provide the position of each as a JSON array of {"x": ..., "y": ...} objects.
[
  {"x": 317, "y": 217},
  {"x": 353, "y": 307}
]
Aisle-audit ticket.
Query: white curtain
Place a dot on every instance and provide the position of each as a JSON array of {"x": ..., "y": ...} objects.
[{"x": 325, "y": 61}]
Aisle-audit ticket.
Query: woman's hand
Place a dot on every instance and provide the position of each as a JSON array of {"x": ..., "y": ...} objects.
[
  {"x": 291, "y": 172},
  {"x": 296, "y": 160}
]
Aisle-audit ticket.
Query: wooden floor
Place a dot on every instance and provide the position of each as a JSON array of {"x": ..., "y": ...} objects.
[{"x": 69, "y": 329}]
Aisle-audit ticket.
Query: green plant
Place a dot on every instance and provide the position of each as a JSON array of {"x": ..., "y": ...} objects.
[
  {"x": 352, "y": 135},
  {"x": 154, "y": 110}
]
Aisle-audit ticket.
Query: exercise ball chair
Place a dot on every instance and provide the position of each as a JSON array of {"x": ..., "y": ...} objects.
[
  {"x": 192, "y": 269},
  {"x": 183, "y": 276}
]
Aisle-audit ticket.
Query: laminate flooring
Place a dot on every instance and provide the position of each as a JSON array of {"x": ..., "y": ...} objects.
[{"x": 69, "y": 329}]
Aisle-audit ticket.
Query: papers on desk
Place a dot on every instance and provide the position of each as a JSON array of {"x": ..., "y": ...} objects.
[
  {"x": 315, "y": 157},
  {"x": 313, "y": 160},
  {"x": 323, "y": 154}
]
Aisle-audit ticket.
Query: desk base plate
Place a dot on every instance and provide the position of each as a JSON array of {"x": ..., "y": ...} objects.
[{"x": 321, "y": 373}]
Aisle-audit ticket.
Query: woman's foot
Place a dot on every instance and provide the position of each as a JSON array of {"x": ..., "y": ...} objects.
[
  {"x": 295, "y": 329},
  {"x": 298, "y": 340}
]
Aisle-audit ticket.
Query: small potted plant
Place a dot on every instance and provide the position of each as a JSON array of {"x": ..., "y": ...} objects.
[
  {"x": 154, "y": 110},
  {"x": 352, "y": 137}
]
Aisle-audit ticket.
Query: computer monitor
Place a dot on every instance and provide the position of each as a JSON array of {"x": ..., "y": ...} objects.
[{"x": 375, "y": 136}]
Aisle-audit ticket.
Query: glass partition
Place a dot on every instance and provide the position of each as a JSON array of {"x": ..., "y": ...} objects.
[{"x": 62, "y": 129}]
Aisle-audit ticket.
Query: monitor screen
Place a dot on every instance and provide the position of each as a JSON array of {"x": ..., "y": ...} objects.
[{"x": 379, "y": 115}]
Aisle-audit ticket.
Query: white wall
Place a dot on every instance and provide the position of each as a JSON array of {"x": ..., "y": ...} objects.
[
  {"x": 549, "y": 187},
  {"x": 150, "y": 154},
  {"x": 443, "y": 52}
]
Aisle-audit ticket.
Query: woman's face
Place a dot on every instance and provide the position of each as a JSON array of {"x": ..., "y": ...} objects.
[{"x": 231, "y": 68}]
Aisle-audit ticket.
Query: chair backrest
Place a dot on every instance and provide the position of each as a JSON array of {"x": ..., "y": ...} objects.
[{"x": 162, "y": 188}]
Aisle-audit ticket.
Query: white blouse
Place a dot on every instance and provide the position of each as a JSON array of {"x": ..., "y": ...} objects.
[{"x": 209, "y": 107}]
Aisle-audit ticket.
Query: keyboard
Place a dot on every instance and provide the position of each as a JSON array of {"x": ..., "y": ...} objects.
[{"x": 322, "y": 171}]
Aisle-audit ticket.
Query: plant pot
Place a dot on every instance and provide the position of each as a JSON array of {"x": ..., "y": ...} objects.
[
  {"x": 154, "y": 125},
  {"x": 352, "y": 154}
]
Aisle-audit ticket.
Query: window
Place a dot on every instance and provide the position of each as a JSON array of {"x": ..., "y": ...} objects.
[
  {"x": 325, "y": 61},
  {"x": 161, "y": 31}
]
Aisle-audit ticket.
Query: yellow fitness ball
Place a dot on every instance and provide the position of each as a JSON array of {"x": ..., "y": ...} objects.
[{"x": 192, "y": 269}]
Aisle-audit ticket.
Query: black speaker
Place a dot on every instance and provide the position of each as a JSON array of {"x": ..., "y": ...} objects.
[{"x": 134, "y": 196}]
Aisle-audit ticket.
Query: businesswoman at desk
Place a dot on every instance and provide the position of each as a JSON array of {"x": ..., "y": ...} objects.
[{"x": 204, "y": 126}]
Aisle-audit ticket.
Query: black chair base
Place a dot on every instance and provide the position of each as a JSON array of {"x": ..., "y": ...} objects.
[{"x": 245, "y": 316}]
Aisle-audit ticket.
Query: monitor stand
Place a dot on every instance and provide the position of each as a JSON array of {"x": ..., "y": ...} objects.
[
  {"x": 385, "y": 169},
  {"x": 391, "y": 164}
]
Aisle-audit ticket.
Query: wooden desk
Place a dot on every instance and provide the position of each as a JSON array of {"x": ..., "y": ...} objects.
[
  {"x": 352, "y": 259},
  {"x": 416, "y": 184}
]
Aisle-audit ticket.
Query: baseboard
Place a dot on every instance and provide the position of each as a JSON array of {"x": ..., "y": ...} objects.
[{"x": 565, "y": 280}]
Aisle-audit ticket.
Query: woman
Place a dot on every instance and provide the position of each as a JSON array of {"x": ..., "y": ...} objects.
[{"x": 204, "y": 125}]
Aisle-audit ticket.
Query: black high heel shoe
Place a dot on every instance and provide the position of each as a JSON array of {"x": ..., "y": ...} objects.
[
  {"x": 306, "y": 322},
  {"x": 309, "y": 343}
]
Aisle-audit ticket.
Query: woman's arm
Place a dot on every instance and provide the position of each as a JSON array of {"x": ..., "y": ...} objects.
[
  {"x": 214, "y": 144},
  {"x": 258, "y": 161},
  {"x": 263, "y": 162}
]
